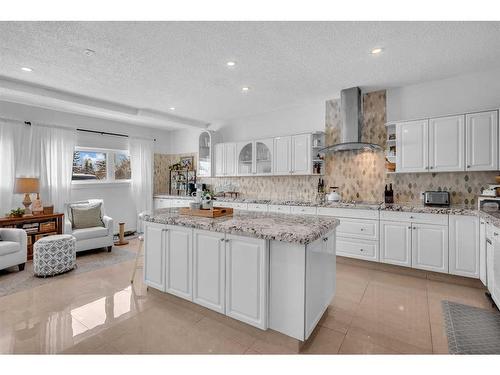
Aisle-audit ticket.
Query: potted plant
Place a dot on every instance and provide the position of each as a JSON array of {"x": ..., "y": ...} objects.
[{"x": 17, "y": 212}]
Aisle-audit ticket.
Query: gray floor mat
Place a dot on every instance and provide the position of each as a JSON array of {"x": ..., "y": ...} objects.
[{"x": 471, "y": 330}]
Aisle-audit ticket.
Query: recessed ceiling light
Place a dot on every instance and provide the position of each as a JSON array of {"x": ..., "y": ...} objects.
[
  {"x": 245, "y": 89},
  {"x": 172, "y": 108},
  {"x": 376, "y": 51},
  {"x": 231, "y": 63},
  {"x": 26, "y": 69},
  {"x": 89, "y": 52}
]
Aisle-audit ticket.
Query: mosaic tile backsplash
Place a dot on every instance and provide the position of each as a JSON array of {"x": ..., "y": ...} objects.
[{"x": 360, "y": 176}]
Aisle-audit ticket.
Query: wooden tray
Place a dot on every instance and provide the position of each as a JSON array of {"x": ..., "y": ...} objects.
[{"x": 214, "y": 212}]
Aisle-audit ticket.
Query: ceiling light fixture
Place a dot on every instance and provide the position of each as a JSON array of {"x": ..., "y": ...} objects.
[
  {"x": 376, "y": 51},
  {"x": 245, "y": 89},
  {"x": 89, "y": 52},
  {"x": 26, "y": 69},
  {"x": 172, "y": 108},
  {"x": 231, "y": 63}
]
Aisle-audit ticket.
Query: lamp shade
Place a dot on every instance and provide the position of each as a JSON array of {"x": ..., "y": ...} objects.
[{"x": 27, "y": 185}]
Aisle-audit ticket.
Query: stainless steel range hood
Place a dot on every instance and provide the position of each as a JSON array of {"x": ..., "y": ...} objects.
[{"x": 352, "y": 121}]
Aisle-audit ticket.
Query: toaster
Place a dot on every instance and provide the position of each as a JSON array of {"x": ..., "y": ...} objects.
[{"x": 436, "y": 198}]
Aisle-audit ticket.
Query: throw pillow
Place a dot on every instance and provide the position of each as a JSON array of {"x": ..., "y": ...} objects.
[{"x": 86, "y": 216}]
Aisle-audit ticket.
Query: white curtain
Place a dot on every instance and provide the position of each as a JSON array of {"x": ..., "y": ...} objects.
[
  {"x": 10, "y": 132},
  {"x": 56, "y": 147},
  {"x": 141, "y": 162}
]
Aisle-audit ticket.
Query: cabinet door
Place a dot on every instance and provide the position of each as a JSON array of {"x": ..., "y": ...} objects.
[
  {"x": 154, "y": 256},
  {"x": 179, "y": 262},
  {"x": 395, "y": 243},
  {"x": 495, "y": 289},
  {"x": 301, "y": 154},
  {"x": 464, "y": 245},
  {"x": 230, "y": 159},
  {"x": 282, "y": 155},
  {"x": 446, "y": 144},
  {"x": 481, "y": 141},
  {"x": 490, "y": 250},
  {"x": 430, "y": 247},
  {"x": 264, "y": 157},
  {"x": 209, "y": 269},
  {"x": 412, "y": 146},
  {"x": 205, "y": 154},
  {"x": 220, "y": 169},
  {"x": 482, "y": 252},
  {"x": 246, "y": 280},
  {"x": 245, "y": 152}
]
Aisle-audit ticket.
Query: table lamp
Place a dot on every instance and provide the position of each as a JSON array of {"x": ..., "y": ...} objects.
[{"x": 26, "y": 186}]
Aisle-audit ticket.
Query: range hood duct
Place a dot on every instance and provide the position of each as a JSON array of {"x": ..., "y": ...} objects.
[{"x": 352, "y": 121}]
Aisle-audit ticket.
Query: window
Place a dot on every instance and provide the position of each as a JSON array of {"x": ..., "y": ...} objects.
[{"x": 97, "y": 165}]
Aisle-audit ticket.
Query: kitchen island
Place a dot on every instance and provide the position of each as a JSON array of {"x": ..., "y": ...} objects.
[{"x": 272, "y": 271}]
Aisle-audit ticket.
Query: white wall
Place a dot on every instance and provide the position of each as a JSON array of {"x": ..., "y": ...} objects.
[
  {"x": 183, "y": 141},
  {"x": 307, "y": 117},
  {"x": 118, "y": 199},
  {"x": 465, "y": 93}
]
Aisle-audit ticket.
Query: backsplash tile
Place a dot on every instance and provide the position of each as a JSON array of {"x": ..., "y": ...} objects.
[{"x": 360, "y": 176}]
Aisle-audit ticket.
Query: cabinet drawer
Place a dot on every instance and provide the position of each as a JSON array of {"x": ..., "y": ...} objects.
[
  {"x": 303, "y": 210},
  {"x": 437, "y": 219},
  {"x": 179, "y": 202},
  {"x": 280, "y": 209},
  {"x": 354, "y": 248},
  {"x": 257, "y": 207},
  {"x": 358, "y": 228},
  {"x": 355, "y": 213}
]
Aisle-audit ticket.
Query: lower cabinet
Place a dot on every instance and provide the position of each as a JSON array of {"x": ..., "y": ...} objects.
[
  {"x": 209, "y": 269},
  {"x": 464, "y": 245},
  {"x": 154, "y": 257},
  {"x": 482, "y": 252},
  {"x": 178, "y": 261},
  {"x": 247, "y": 279},
  {"x": 395, "y": 243},
  {"x": 429, "y": 247}
]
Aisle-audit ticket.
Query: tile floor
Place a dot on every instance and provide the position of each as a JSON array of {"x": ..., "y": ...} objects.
[{"x": 99, "y": 312}]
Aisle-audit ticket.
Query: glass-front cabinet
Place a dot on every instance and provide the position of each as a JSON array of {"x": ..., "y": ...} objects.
[
  {"x": 205, "y": 154},
  {"x": 255, "y": 158}
]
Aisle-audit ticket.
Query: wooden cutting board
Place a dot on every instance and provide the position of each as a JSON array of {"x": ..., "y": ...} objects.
[{"x": 214, "y": 212}]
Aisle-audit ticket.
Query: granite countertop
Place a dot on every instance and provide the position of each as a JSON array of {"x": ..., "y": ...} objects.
[
  {"x": 420, "y": 208},
  {"x": 302, "y": 229},
  {"x": 493, "y": 217}
]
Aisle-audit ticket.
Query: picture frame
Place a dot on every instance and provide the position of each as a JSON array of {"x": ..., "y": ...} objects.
[{"x": 187, "y": 162}]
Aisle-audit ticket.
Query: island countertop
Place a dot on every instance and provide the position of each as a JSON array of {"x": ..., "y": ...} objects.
[{"x": 302, "y": 229}]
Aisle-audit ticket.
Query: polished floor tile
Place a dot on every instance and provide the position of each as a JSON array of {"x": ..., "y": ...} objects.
[{"x": 100, "y": 312}]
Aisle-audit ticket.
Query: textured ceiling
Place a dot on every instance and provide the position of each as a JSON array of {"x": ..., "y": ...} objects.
[{"x": 159, "y": 65}]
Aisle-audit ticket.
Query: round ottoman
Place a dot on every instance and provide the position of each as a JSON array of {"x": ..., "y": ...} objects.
[{"x": 53, "y": 255}]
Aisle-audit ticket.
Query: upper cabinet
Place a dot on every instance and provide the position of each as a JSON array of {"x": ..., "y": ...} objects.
[
  {"x": 412, "y": 146},
  {"x": 289, "y": 155},
  {"x": 482, "y": 141},
  {"x": 466, "y": 142},
  {"x": 205, "y": 154},
  {"x": 446, "y": 143}
]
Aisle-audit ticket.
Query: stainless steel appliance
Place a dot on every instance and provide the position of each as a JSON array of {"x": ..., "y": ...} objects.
[{"x": 436, "y": 198}]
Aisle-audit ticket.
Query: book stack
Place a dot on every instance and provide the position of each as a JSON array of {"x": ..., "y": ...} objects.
[{"x": 31, "y": 228}]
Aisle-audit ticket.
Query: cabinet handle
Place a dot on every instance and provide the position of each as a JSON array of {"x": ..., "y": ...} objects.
[
  {"x": 227, "y": 240},
  {"x": 431, "y": 167},
  {"x": 361, "y": 250},
  {"x": 411, "y": 217},
  {"x": 495, "y": 234},
  {"x": 409, "y": 227},
  {"x": 414, "y": 227},
  {"x": 362, "y": 229},
  {"x": 489, "y": 241},
  {"x": 325, "y": 239},
  {"x": 222, "y": 240},
  {"x": 468, "y": 166}
]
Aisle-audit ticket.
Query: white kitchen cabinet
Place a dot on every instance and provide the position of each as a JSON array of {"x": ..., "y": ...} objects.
[
  {"x": 395, "y": 243},
  {"x": 482, "y": 252},
  {"x": 481, "y": 141},
  {"x": 246, "y": 156},
  {"x": 209, "y": 271},
  {"x": 219, "y": 159},
  {"x": 446, "y": 144},
  {"x": 429, "y": 247},
  {"x": 264, "y": 156},
  {"x": 464, "y": 245},
  {"x": 205, "y": 153},
  {"x": 494, "y": 288},
  {"x": 358, "y": 248},
  {"x": 230, "y": 159},
  {"x": 491, "y": 243},
  {"x": 282, "y": 155},
  {"x": 280, "y": 209},
  {"x": 301, "y": 154},
  {"x": 247, "y": 280},
  {"x": 179, "y": 261},
  {"x": 412, "y": 146},
  {"x": 161, "y": 203},
  {"x": 154, "y": 258}
]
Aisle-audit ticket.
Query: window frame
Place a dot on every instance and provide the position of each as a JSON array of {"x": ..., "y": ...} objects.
[{"x": 110, "y": 168}]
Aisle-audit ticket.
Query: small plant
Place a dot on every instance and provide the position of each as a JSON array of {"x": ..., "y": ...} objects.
[{"x": 17, "y": 212}]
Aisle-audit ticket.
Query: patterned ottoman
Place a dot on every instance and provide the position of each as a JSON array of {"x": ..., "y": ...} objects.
[{"x": 53, "y": 255}]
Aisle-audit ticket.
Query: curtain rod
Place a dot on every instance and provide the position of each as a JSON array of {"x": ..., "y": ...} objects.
[{"x": 106, "y": 133}]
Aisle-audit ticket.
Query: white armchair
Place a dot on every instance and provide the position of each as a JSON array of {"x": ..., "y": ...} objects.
[
  {"x": 90, "y": 238},
  {"x": 13, "y": 248}
]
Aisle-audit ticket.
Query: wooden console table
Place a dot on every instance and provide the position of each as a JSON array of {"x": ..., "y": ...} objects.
[{"x": 46, "y": 225}]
